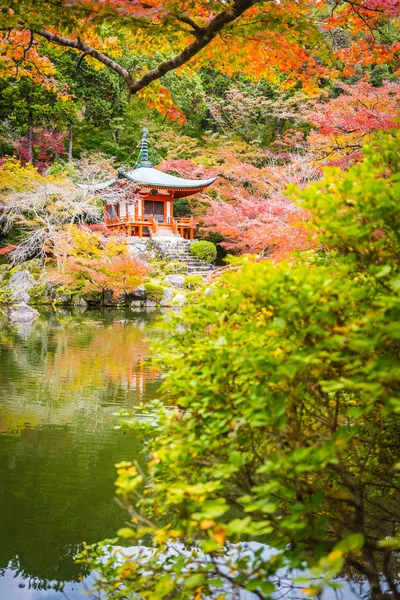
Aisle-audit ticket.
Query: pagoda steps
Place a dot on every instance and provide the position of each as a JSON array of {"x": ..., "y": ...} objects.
[{"x": 179, "y": 249}]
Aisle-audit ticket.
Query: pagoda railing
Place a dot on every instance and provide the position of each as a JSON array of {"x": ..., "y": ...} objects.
[
  {"x": 216, "y": 274},
  {"x": 174, "y": 225}
]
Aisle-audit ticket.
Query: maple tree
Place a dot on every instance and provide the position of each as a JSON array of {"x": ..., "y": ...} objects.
[
  {"x": 283, "y": 42},
  {"x": 343, "y": 122},
  {"x": 247, "y": 205},
  {"x": 41, "y": 149}
]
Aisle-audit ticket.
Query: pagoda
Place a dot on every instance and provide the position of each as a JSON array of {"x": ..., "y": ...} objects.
[{"x": 148, "y": 206}]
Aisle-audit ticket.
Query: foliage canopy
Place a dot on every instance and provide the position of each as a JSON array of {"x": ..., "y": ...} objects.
[{"x": 285, "y": 382}]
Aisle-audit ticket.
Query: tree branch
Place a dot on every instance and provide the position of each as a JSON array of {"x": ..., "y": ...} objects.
[
  {"x": 203, "y": 36},
  {"x": 82, "y": 47}
]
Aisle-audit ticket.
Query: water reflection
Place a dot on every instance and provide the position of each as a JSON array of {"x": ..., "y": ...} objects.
[{"x": 61, "y": 383}]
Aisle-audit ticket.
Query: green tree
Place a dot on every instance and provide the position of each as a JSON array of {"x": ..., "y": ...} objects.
[{"x": 286, "y": 430}]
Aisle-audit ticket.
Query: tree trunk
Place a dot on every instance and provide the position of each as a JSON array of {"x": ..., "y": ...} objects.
[
  {"x": 70, "y": 144},
  {"x": 30, "y": 136}
]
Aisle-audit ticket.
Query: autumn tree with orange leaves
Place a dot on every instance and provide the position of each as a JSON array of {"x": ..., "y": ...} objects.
[{"x": 287, "y": 42}]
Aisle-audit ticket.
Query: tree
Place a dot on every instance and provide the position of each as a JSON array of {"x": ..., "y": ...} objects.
[
  {"x": 285, "y": 383},
  {"x": 41, "y": 207},
  {"x": 344, "y": 122},
  {"x": 40, "y": 148},
  {"x": 247, "y": 205},
  {"x": 268, "y": 39}
]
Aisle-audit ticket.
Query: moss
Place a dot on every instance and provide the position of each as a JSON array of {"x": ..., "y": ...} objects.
[
  {"x": 154, "y": 291},
  {"x": 158, "y": 267},
  {"x": 175, "y": 267},
  {"x": 5, "y": 296},
  {"x": 5, "y": 273},
  {"x": 193, "y": 282},
  {"x": 40, "y": 294}
]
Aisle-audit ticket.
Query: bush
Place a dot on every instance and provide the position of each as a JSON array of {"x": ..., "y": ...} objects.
[
  {"x": 203, "y": 250},
  {"x": 193, "y": 281},
  {"x": 174, "y": 267},
  {"x": 154, "y": 291},
  {"x": 287, "y": 387}
]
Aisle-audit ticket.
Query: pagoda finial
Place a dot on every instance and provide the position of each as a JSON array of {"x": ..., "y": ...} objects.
[{"x": 144, "y": 151}]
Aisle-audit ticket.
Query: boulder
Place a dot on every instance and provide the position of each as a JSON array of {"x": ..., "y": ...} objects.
[
  {"x": 150, "y": 304},
  {"x": 79, "y": 302},
  {"x": 19, "y": 285},
  {"x": 63, "y": 299},
  {"x": 22, "y": 313},
  {"x": 177, "y": 281},
  {"x": 42, "y": 294},
  {"x": 139, "y": 293},
  {"x": 109, "y": 299},
  {"x": 179, "y": 299},
  {"x": 168, "y": 295},
  {"x": 135, "y": 304},
  {"x": 92, "y": 298}
]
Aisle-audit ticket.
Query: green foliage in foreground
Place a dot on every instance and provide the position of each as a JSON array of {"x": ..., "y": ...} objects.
[
  {"x": 287, "y": 426},
  {"x": 204, "y": 251}
]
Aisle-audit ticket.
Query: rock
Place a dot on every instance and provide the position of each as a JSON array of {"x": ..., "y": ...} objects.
[
  {"x": 179, "y": 299},
  {"x": 139, "y": 293},
  {"x": 19, "y": 285},
  {"x": 176, "y": 281},
  {"x": 168, "y": 295},
  {"x": 22, "y": 313},
  {"x": 208, "y": 292},
  {"x": 150, "y": 304},
  {"x": 63, "y": 299},
  {"x": 42, "y": 294},
  {"x": 22, "y": 280},
  {"x": 109, "y": 299},
  {"x": 92, "y": 298},
  {"x": 79, "y": 302},
  {"x": 137, "y": 303}
]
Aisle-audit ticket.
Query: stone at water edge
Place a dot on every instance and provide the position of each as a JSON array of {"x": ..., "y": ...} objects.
[
  {"x": 18, "y": 285},
  {"x": 22, "y": 313},
  {"x": 168, "y": 295},
  {"x": 151, "y": 304},
  {"x": 179, "y": 299},
  {"x": 139, "y": 293},
  {"x": 176, "y": 281}
]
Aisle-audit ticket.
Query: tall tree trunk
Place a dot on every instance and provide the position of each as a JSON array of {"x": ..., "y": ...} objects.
[
  {"x": 70, "y": 144},
  {"x": 30, "y": 136}
]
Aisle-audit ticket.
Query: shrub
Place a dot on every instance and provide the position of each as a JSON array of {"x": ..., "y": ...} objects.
[
  {"x": 175, "y": 266},
  {"x": 154, "y": 291},
  {"x": 193, "y": 281},
  {"x": 286, "y": 383},
  {"x": 203, "y": 250},
  {"x": 157, "y": 266}
]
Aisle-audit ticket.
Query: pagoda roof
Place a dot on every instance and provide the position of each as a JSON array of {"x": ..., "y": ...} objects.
[
  {"x": 153, "y": 178},
  {"x": 145, "y": 175}
]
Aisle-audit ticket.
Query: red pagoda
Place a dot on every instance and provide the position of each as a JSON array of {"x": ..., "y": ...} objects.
[{"x": 148, "y": 208}]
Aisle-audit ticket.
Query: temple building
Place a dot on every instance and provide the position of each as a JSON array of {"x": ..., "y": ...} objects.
[{"x": 148, "y": 206}]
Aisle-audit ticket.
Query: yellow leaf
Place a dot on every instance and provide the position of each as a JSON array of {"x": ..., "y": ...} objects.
[
  {"x": 207, "y": 524},
  {"x": 219, "y": 535}
]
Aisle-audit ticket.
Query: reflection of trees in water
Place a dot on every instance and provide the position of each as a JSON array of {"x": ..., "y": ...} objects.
[
  {"x": 57, "y": 491},
  {"x": 68, "y": 365},
  {"x": 60, "y": 388}
]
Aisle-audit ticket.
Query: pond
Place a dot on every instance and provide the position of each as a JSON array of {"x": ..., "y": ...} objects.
[{"x": 62, "y": 381}]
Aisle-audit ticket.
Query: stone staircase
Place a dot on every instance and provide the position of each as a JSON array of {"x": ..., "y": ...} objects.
[
  {"x": 165, "y": 231},
  {"x": 179, "y": 249}
]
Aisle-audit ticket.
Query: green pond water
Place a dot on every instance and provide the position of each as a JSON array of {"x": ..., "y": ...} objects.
[{"x": 62, "y": 379}]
